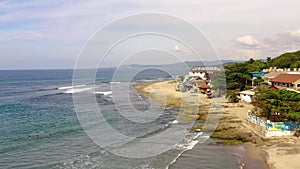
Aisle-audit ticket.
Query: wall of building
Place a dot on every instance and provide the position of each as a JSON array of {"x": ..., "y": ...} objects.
[
  {"x": 246, "y": 98},
  {"x": 198, "y": 74},
  {"x": 296, "y": 85},
  {"x": 279, "y": 133}
]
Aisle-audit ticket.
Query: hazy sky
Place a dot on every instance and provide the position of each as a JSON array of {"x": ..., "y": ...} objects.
[{"x": 50, "y": 34}]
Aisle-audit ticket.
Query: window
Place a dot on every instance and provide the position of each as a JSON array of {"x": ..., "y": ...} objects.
[
  {"x": 298, "y": 85},
  {"x": 283, "y": 84}
]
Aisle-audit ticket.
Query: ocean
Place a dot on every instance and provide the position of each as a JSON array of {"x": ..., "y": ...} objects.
[{"x": 39, "y": 127}]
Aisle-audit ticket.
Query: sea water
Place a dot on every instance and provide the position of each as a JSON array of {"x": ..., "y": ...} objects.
[{"x": 39, "y": 127}]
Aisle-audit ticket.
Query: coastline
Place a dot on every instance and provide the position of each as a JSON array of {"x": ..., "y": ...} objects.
[
  {"x": 229, "y": 129},
  {"x": 233, "y": 130}
]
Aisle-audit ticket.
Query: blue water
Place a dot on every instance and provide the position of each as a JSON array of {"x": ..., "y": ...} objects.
[{"x": 33, "y": 103}]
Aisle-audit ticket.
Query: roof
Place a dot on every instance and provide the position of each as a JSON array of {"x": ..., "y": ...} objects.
[
  {"x": 272, "y": 87},
  {"x": 286, "y": 78},
  {"x": 272, "y": 75},
  {"x": 205, "y": 87},
  {"x": 259, "y": 74},
  {"x": 248, "y": 92}
]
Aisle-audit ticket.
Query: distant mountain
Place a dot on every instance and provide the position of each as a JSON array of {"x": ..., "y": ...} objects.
[{"x": 189, "y": 64}]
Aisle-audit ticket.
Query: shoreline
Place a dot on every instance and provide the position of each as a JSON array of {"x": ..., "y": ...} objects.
[{"x": 252, "y": 155}]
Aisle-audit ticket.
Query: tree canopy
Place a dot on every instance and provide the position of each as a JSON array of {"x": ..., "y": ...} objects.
[
  {"x": 238, "y": 74},
  {"x": 286, "y": 60},
  {"x": 278, "y": 104}
]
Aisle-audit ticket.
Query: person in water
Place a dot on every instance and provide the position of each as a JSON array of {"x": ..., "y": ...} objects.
[
  {"x": 37, "y": 136},
  {"x": 29, "y": 137}
]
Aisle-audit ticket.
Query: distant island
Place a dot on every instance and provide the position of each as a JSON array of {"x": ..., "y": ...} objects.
[{"x": 188, "y": 64}]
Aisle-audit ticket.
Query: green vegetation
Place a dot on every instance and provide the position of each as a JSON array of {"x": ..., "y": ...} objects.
[
  {"x": 238, "y": 74},
  {"x": 277, "y": 105},
  {"x": 258, "y": 81},
  {"x": 230, "y": 142},
  {"x": 286, "y": 60},
  {"x": 238, "y": 77}
]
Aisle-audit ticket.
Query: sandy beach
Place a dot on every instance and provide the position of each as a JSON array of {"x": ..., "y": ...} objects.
[{"x": 274, "y": 153}]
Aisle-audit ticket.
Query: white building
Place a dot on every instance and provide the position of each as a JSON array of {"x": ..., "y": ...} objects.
[{"x": 246, "y": 95}]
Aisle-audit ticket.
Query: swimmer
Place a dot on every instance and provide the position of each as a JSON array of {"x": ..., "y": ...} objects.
[
  {"x": 29, "y": 137},
  {"x": 37, "y": 136}
]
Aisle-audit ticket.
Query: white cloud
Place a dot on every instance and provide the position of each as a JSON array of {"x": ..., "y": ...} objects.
[
  {"x": 248, "y": 40},
  {"x": 295, "y": 32},
  {"x": 269, "y": 46}
]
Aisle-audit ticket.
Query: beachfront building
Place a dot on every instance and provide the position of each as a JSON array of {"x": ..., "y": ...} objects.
[
  {"x": 268, "y": 77},
  {"x": 203, "y": 72},
  {"x": 287, "y": 81},
  {"x": 198, "y": 79},
  {"x": 247, "y": 95},
  {"x": 274, "y": 72}
]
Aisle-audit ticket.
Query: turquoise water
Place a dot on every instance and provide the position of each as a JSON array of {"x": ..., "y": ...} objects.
[{"x": 39, "y": 127}]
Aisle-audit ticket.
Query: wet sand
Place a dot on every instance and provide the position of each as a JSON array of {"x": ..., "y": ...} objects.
[
  {"x": 244, "y": 156},
  {"x": 283, "y": 153}
]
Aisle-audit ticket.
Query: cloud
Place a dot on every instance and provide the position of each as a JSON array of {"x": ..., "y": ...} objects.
[
  {"x": 248, "y": 40},
  {"x": 295, "y": 33},
  {"x": 272, "y": 45}
]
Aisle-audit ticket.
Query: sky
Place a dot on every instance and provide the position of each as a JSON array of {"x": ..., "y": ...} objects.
[{"x": 38, "y": 34}]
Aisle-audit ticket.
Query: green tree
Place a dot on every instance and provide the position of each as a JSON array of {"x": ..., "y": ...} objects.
[
  {"x": 278, "y": 103},
  {"x": 257, "y": 81},
  {"x": 285, "y": 60},
  {"x": 295, "y": 64},
  {"x": 218, "y": 81}
]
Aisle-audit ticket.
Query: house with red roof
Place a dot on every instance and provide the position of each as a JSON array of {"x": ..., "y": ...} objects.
[{"x": 287, "y": 81}]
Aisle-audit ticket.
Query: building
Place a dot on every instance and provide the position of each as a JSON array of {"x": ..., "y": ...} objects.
[
  {"x": 271, "y": 76},
  {"x": 287, "y": 81},
  {"x": 247, "y": 95},
  {"x": 203, "y": 72}
]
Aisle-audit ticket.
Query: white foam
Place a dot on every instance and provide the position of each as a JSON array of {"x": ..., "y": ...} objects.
[
  {"x": 71, "y": 91},
  {"x": 114, "y": 82},
  {"x": 70, "y": 87},
  {"x": 174, "y": 122},
  {"x": 191, "y": 145},
  {"x": 172, "y": 162},
  {"x": 104, "y": 93},
  {"x": 189, "y": 142},
  {"x": 205, "y": 137},
  {"x": 186, "y": 147}
]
